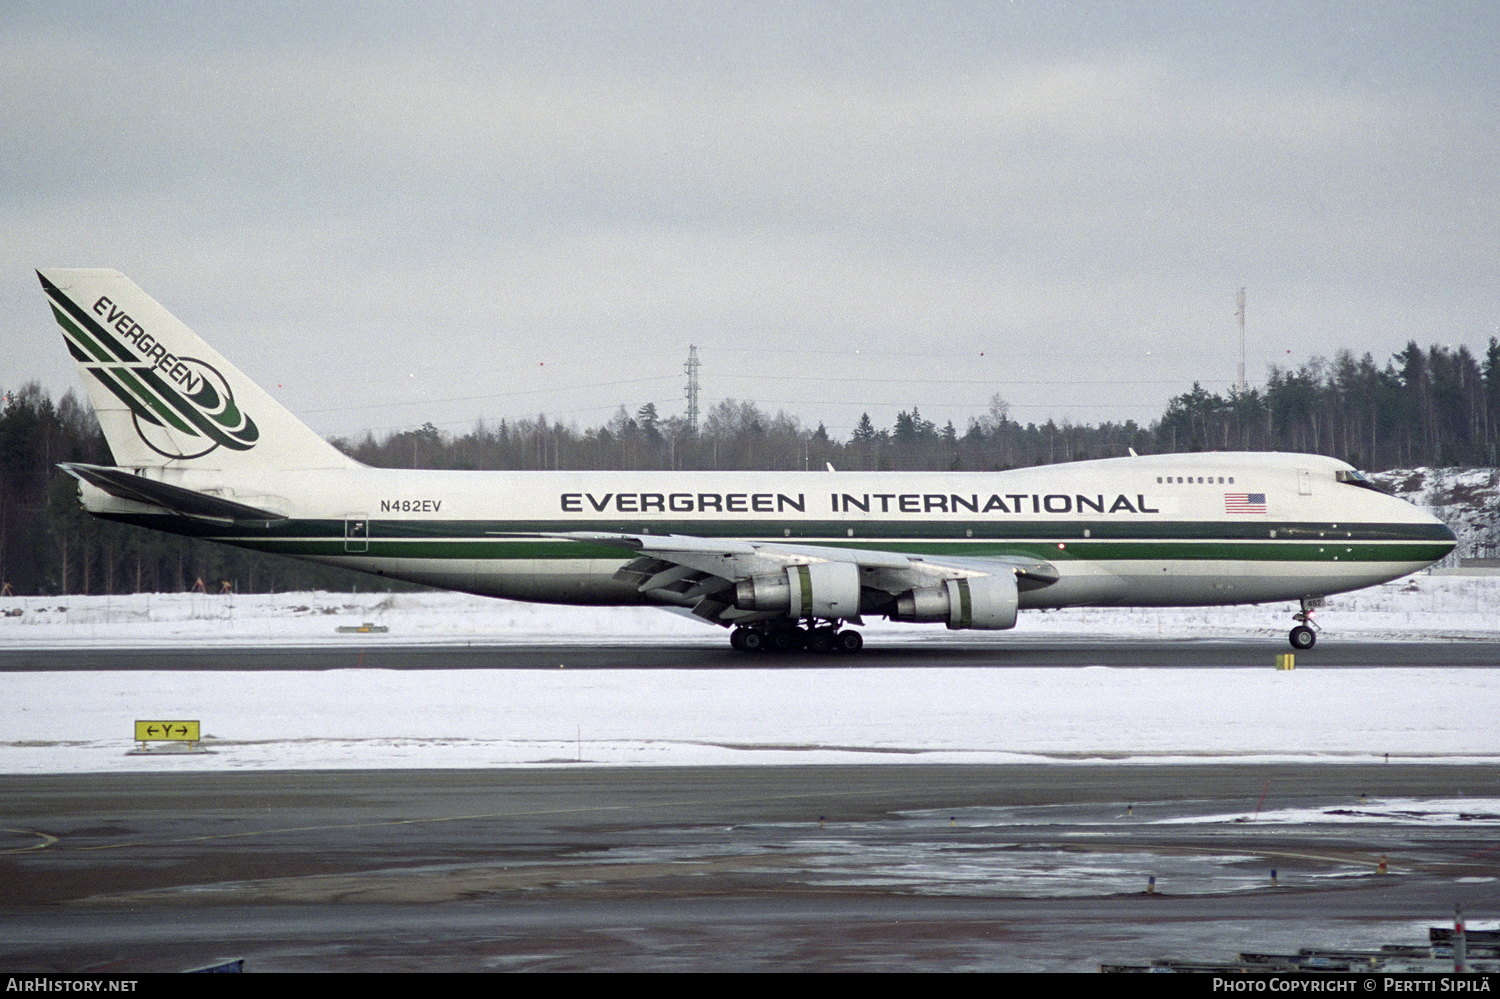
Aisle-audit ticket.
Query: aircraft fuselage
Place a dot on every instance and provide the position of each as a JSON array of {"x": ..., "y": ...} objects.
[{"x": 1159, "y": 530}]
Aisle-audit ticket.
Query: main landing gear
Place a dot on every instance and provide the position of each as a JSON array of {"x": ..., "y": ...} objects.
[
  {"x": 1304, "y": 636},
  {"x": 817, "y": 638}
]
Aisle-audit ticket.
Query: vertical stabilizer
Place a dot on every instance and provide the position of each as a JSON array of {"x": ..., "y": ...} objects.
[{"x": 165, "y": 398}]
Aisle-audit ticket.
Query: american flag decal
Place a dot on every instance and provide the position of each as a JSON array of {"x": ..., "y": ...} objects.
[{"x": 1244, "y": 502}]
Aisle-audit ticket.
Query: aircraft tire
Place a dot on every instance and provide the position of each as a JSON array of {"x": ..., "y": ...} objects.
[
  {"x": 849, "y": 641},
  {"x": 820, "y": 640},
  {"x": 750, "y": 640},
  {"x": 1303, "y": 637},
  {"x": 781, "y": 640}
]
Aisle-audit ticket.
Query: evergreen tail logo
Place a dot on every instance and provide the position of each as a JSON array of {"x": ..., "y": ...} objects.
[{"x": 182, "y": 407}]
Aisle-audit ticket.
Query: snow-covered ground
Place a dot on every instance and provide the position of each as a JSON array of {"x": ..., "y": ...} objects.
[
  {"x": 83, "y": 721},
  {"x": 1423, "y": 606}
]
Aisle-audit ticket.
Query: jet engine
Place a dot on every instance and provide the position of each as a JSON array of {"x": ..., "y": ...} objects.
[
  {"x": 822, "y": 589},
  {"x": 980, "y": 602}
]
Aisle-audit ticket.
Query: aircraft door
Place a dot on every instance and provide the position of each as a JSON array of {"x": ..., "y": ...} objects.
[
  {"x": 356, "y": 533},
  {"x": 1304, "y": 482}
]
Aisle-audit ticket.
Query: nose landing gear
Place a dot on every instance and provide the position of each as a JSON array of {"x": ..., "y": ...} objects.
[{"x": 1304, "y": 636}]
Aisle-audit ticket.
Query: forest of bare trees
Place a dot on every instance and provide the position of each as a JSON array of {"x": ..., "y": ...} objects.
[{"x": 1437, "y": 406}]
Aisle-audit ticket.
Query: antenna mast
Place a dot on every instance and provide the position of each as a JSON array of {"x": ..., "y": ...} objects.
[
  {"x": 691, "y": 370},
  {"x": 1239, "y": 382}
]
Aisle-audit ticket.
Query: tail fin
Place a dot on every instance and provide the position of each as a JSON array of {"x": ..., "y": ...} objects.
[{"x": 162, "y": 395}]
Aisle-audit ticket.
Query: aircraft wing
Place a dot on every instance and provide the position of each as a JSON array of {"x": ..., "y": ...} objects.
[{"x": 701, "y": 573}]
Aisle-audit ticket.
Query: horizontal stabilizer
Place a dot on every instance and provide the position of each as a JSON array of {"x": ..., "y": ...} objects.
[{"x": 127, "y": 485}]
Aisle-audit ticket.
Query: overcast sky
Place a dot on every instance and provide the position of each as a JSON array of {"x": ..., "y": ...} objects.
[{"x": 390, "y": 214}]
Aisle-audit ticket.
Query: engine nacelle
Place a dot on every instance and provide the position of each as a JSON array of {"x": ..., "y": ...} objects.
[
  {"x": 981, "y": 602},
  {"x": 822, "y": 589}
]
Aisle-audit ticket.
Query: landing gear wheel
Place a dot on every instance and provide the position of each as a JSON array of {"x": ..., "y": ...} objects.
[
  {"x": 848, "y": 641},
  {"x": 747, "y": 640},
  {"x": 1303, "y": 636},
  {"x": 820, "y": 640},
  {"x": 781, "y": 640}
]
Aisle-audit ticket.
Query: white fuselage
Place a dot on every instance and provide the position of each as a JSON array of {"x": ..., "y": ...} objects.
[{"x": 1163, "y": 530}]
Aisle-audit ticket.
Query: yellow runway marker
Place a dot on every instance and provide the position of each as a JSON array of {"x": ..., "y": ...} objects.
[{"x": 167, "y": 731}]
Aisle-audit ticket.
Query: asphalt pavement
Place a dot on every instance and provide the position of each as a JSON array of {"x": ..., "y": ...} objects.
[{"x": 901, "y": 866}]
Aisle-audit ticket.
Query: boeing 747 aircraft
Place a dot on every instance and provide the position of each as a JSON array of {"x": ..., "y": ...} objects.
[{"x": 784, "y": 559}]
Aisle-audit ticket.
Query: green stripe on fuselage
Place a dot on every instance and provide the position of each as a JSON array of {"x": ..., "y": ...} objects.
[
  {"x": 1203, "y": 541},
  {"x": 866, "y": 535}
]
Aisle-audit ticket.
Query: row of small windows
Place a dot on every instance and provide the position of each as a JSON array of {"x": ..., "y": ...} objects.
[{"x": 1201, "y": 480}]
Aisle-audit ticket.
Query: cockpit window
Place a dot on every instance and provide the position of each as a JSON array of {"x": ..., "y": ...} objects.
[{"x": 1357, "y": 478}]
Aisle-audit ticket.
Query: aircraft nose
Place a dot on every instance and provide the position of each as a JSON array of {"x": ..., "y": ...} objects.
[
  {"x": 1427, "y": 527},
  {"x": 1447, "y": 533},
  {"x": 1441, "y": 533}
]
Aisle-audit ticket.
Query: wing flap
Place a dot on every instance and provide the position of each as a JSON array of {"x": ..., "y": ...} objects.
[{"x": 1031, "y": 573}]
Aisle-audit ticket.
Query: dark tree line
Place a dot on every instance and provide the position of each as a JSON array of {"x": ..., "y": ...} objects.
[
  {"x": 1432, "y": 407},
  {"x": 48, "y": 544}
]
